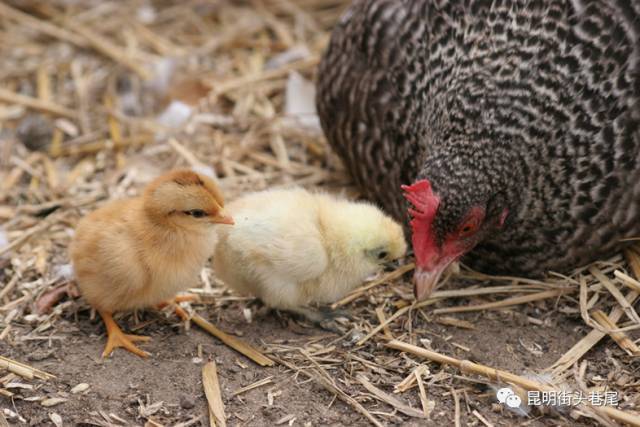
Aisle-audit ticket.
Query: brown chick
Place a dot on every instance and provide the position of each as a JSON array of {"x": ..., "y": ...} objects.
[{"x": 140, "y": 252}]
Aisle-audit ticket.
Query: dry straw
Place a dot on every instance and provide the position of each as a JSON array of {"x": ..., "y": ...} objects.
[{"x": 108, "y": 100}]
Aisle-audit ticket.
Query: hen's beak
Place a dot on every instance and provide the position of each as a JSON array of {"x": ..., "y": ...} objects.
[
  {"x": 425, "y": 282},
  {"x": 222, "y": 219}
]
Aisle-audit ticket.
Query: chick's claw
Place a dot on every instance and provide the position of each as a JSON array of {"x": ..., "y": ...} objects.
[
  {"x": 186, "y": 298},
  {"x": 117, "y": 338},
  {"x": 179, "y": 311},
  {"x": 324, "y": 318},
  {"x": 328, "y": 312},
  {"x": 178, "y": 299}
]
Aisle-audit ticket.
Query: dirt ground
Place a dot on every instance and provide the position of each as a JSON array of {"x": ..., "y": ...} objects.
[
  {"x": 167, "y": 388},
  {"x": 98, "y": 97}
]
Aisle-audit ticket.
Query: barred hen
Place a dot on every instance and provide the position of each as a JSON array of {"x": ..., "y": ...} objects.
[{"x": 513, "y": 127}]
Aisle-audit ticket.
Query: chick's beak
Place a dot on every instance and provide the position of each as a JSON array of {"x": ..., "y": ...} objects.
[
  {"x": 426, "y": 281},
  {"x": 222, "y": 219}
]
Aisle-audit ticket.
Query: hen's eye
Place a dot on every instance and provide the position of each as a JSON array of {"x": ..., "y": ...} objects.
[
  {"x": 467, "y": 229},
  {"x": 196, "y": 213}
]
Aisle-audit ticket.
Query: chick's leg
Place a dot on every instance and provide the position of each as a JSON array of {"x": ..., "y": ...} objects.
[
  {"x": 117, "y": 338},
  {"x": 178, "y": 299},
  {"x": 179, "y": 311},
  {"x": 186, "y": 298}
]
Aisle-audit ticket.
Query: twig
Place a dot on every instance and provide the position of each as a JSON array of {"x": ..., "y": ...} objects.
[
  {"x": 186, "y": 154},
  {"x": 105, "y": 47},
  {"x": 35, "y": 103},
  {"x": 360, "y": 291},
  {"x": 504, "y": 376},
  {"x": 9, "y": 287},
  {"x": 626, "y": 280},
  {"x": 214, "y": 398},
  {"x": 97, "y": 146},
  {"x": 23, "y": 370},
  {"x": 220, "y": 88},
  {"x": 390, "y": 400},
  {"x": 256, "y": 384},
  {"x": 506, "y": 302},
  {"x": 482, "y": 419},
  {"x": 25, "y": 236},
  {"x": 628, "y": 309},
  {"x": 40, "y": 25},
  {"x": 576, "y": 352},
  {"x": 423, "y": 394},
  {"x": 233, "y": 342},
  {"x": 332, "y": 388},
  {"x": 382, "y": 319},
  {"x": 456, "y": 403},
  {"x": 621, "y": 338},
  {"x": 378, "y": 328}
]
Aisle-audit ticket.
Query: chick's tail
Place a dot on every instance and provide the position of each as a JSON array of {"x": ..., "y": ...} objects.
[{"x": 117, "y": 338}]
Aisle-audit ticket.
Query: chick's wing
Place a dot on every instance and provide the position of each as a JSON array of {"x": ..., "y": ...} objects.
[{"x": 288, "y": 248}]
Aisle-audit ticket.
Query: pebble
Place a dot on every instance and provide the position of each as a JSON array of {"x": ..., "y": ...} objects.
[
  {"x": 187, "y": 402},
  {"x": 80, "y": 388},
  {"x": 55, "y": 419},
  {"x": 53, "y": 401},
  {"x": 35, "y": 132}
]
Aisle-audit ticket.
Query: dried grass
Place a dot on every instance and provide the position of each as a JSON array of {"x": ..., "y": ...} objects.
[{"x": 96, "y": 100}]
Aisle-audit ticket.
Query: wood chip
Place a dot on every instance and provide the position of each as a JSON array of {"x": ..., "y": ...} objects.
[
  {"x": 80, "y": 388},
  {"x": 53, "y": 401},
  {"x": 214, "y": 397},
  {"x": 56, "y": 419}
]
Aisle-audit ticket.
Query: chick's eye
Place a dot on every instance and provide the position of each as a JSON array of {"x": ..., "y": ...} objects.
[
  {"x": 196, "y": 213},
  {"x": 382, "y": 254}
]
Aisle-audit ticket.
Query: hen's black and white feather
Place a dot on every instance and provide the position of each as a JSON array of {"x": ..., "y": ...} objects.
[{"x": 534, "y": 102}]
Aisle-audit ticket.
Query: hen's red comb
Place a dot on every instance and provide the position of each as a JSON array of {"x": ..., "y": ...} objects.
[{"x": 424, "y": 200}]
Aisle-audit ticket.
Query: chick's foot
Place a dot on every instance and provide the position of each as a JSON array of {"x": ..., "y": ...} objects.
[
  {"x": 324, "y": 318},
  {"x": 117, "y": 338}
]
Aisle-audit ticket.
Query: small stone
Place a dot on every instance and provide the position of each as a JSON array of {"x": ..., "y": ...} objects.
[
  {"x": 53, "y": 401},
  {"x": 80, "y": 388},
  {"x": 35, "y": 132},
  {"x": 186, "y": 402},
  {"x": 55, "y": 419}
]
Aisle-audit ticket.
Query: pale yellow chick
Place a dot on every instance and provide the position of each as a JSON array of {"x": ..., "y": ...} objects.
[
  {"x": 140, "y": 252},
  {"x": 291, "y": 248}
]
